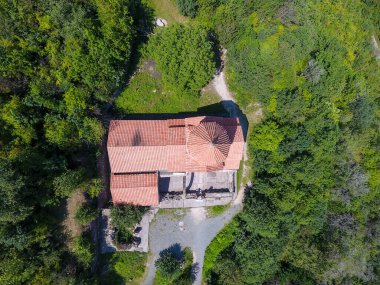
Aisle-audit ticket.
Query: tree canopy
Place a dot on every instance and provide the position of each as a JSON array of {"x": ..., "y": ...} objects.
[
  {"x": 312, "y": 214},
  {"x": 185, "y": 57},
  {"x": 60, "y": 63},
  {"x": 314, "y": 197}
]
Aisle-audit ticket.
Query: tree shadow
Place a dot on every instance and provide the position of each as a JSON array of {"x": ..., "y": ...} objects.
[
  {"x": 235, "y": 112},
  {"x": 194, "y": 271},
  {"x": 188, "y": 270},
  {"x": 247, "y": 192},
  {"x": 174, "y": 249}
]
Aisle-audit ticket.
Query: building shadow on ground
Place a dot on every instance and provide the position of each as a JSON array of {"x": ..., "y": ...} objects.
[
  {"x": 227, "y": 108},
  {"x": 174, "y": 249}
]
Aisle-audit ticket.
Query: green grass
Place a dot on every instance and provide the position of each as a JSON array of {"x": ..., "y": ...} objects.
[
  {"x": 120, "y": 267},
  {"x": 172, "y": 213},
  {"x": 167, "y": 9},
  {"x": 239, "y": 175},
  {"x": 146, "y": 93},
  {"x": 216, "y": 210},
  {"x": 222, "y": 240}
]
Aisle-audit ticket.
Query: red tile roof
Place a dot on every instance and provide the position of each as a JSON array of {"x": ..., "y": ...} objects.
[
  {"x": 133, "y": 180},
  {"x": 137, "y": 133},
  {"x": 138, "y": 158},
  {"x": 208, "y": 144},
  {"x": 137, "y": 189},
  {"x": 192, "y": 144},
  {"x": 175, "y": 145}
]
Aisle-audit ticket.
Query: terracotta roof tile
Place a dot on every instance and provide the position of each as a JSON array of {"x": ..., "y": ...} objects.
[
  {"x": 133, "y": 180},
  {"x": 176, "y": 135},
  {"x": 234, "y": 156},
  {"x": 142, "y": 196},
  {"x": 195, "y": 144},
  {"x": 137, "y": 133},
  {"x": 137, "y": 159},
  {"x": 176, "y": 122},
  {"x": 177, "y": 158},
  {"x": 137, "y": 189},
  {"x": 151, "y": 145}
]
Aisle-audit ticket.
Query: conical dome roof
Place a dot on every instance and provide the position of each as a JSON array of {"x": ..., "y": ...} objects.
[{"x": 208, "y": 144}]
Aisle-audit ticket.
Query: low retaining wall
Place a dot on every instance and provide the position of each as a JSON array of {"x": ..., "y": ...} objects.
[
  {"x": 108, "y": 234},
  {"x": 193, "y": 203}
]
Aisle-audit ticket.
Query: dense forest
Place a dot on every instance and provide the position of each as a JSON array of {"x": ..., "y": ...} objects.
[
  {"x": 312, "y": 215},
  {"x": 60, "y": 62}
]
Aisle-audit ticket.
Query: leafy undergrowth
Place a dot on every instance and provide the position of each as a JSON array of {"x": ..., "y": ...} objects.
[
  {"x": 216, "y": 210},
  {"x": 223, "y": 239},
  {"x": 122, "y": 267},
  {"x": 180, "y": 274},
  {"x": 124, "y": 219}
]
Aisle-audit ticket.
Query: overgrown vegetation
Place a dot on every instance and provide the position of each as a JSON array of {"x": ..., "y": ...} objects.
[
  {"x": 60, "y": 62},
  {"x": 83, "y": 250},
  {"x": 184, "y": 56},
  {"x": 124, "y": 267},
  {"x": 147, "y": 93},
  {"x": 216, "y": 210},
  {"x": 174, "y": 268},
  {"x": 188, "y": 8},
  {"x": 86, "y": 213},
  {"x": 95, "y": 187},
  {"x": 124, "y": 219},
  {"x": 312, "y": 214}
]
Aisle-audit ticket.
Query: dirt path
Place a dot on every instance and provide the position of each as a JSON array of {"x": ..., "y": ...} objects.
[
  {"x": 220, "y": 86},
  {"x": 376, "y": 48}
]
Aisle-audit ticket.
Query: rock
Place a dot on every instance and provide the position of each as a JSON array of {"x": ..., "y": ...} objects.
[{"x": 161, "y": 22}]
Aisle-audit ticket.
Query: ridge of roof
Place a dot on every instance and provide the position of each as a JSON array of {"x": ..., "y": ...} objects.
[{"x": 151, "y": 145}]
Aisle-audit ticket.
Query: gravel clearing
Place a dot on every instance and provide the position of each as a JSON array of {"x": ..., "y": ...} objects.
[{"x": 190, "y": 228}]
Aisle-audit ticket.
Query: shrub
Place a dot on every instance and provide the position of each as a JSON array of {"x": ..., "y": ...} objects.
[
  {"x": 96, "y": 187},
  {"x": 123, "y": 266},
  {"x": 185, "y": 57},
  {"x": 225, "y": 271},
  {"x": 83, "y": 250},
  {"x": 187, "y": 268},
  {"x": 85, "y": 214},
  {"x": 223, "y": 239},
  {"x": 188, "y": 8},
  {"x": 168, "y": 265},
  {"x": 91, "y": 131},
  {"x": 123, "y": 219},
  {"x": 173, "y": 268},
  {"x": 68, "y": 182}
]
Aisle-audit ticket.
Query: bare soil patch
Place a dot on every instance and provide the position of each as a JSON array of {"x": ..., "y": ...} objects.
[
  {"x": 72, "y": 228},
  {"x": 150, "y": 66}
]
